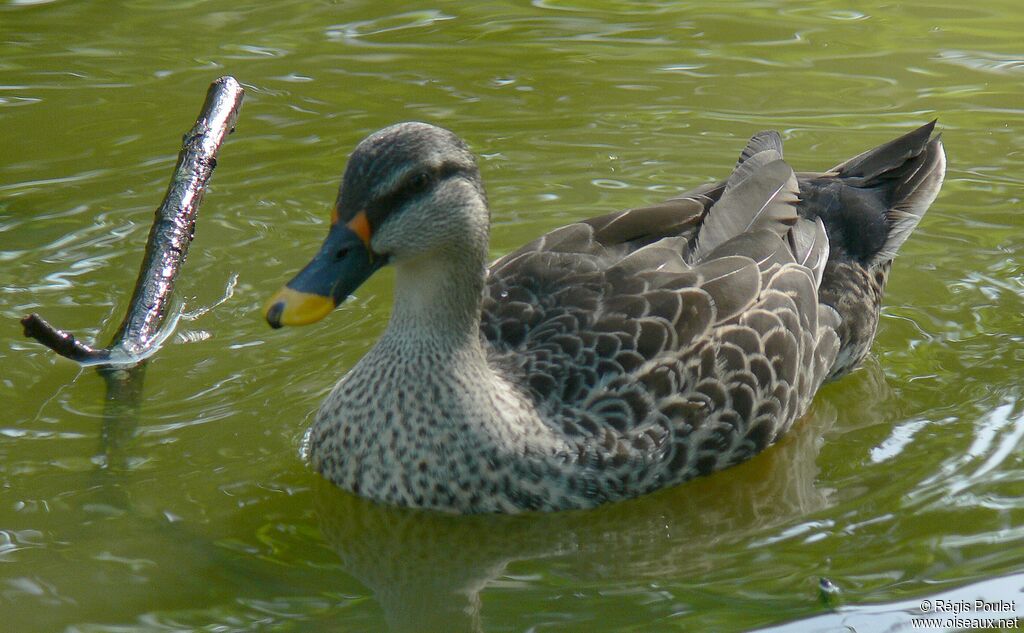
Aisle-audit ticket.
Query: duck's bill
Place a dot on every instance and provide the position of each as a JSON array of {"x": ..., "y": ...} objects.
[{"x": 342, "y": 265}]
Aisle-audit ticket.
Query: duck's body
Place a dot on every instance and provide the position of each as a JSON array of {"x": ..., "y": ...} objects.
[{"x": 611, "y": 357}]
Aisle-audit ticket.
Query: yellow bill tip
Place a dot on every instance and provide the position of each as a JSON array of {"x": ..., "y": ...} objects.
[{"x": 292, "y": 307}]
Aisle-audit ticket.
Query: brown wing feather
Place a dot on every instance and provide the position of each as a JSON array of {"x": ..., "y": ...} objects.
[{"x": 679, "y": 338}]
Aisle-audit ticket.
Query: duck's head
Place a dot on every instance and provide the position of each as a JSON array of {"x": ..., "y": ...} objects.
[{"x": 411, "y": 190}]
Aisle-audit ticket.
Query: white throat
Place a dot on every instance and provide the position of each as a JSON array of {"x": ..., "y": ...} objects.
[{"x": 437, "y": 303}]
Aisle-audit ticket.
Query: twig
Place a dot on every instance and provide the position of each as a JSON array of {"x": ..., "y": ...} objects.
[
  {"x": 64, "y": 343},
  {"x": 139, "y": 335}
]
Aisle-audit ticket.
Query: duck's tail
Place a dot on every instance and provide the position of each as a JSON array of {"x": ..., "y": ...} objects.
[{"x": 870, "y": 204}]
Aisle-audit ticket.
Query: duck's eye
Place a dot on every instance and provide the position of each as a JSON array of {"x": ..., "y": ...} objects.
[
  {"x": 342, "y": 253},
  {"x": 420, "y": 181}
]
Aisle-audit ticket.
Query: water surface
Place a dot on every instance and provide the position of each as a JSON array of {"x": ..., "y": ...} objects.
[{"x": 904, "y": 482}]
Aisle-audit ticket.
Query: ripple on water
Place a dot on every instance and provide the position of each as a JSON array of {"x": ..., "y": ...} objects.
[
  {"x": 907, "y": 474},
  {"x": 984, "y": 61},
  {"x": 363, "y": 31}
]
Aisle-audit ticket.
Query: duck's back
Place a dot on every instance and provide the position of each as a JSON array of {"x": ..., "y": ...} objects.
[{"x": 670, "y": 341}]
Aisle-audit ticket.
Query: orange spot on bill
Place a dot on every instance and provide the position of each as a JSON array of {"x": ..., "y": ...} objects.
[{"x": 360, "y": 225}]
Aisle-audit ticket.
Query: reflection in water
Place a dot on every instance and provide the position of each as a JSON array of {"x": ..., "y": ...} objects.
[
  {"x": 120, "y": 413},
  {"x": 427, "y": 569}
]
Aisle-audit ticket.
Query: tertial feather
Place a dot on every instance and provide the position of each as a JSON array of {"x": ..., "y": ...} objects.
[{"x": 765, "y": 199}]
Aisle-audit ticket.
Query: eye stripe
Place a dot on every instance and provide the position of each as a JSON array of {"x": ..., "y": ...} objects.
[{"x": 408, "y": 188}]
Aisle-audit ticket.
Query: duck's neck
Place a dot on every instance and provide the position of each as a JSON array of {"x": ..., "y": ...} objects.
[{"x": 437, "y": 308}]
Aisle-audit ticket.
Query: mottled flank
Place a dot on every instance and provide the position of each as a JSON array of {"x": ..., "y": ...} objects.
[{"x": 614, "y": 356}]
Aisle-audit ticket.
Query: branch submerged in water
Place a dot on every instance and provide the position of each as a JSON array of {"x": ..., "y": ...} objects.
[{"x": 141, "y": 331}]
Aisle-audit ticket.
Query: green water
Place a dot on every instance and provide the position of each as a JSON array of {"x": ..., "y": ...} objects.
[{"x": 904, "y": 482}]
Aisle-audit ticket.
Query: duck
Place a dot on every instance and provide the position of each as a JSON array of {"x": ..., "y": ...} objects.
[{"x": 608, "y": 358}]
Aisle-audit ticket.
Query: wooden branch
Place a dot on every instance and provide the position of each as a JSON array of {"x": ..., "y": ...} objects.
[
  {"x": 175, "y": 222},
  {"x": 64, "y": 343},
  {"x": 169, "y": 238}
]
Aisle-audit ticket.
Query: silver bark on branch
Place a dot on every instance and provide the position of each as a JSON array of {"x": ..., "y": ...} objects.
[{"x": 143, "y": 328}]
